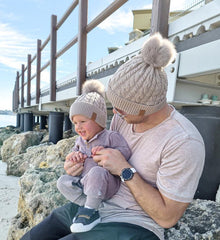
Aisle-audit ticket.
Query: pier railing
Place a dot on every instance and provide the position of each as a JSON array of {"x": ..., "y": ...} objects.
[
  {"x": 23, "y": 98},
  {"x": 23, "y": 86}
]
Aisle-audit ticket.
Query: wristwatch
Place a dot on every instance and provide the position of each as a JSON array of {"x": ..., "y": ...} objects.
[{"x": 127, "y": 174}]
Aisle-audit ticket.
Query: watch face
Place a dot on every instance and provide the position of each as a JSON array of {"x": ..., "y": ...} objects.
[{"x": 127, "y": 174}]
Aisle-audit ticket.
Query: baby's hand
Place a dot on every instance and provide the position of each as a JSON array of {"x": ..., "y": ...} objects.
[
  {"x": 96, "y": 149},
  {"x": 78, "y": 157}
]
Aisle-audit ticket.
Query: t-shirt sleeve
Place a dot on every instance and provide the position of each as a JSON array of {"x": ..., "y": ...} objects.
[{"x": 180, "y": 170}]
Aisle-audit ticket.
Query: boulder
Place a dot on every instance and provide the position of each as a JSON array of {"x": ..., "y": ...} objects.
[
  {"x": 201, "y": 221},
  {"x": 51, "y": 154},
  {"x": 38, "y": 197},
  {"x": 32, "y": 158},
  {"x": 6, "y": 132},
  {"x": 17, "y": 144},
  {"x": 56, "y": 153}
]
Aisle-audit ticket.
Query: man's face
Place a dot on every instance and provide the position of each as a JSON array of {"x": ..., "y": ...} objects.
[{"x": 131, "y": 119}]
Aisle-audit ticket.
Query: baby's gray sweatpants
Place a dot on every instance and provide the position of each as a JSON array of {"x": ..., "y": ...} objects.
[{"x": 98, "y": 184}]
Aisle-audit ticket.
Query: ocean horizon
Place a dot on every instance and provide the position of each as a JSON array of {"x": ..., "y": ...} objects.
[{"x": 6, "y": 120}]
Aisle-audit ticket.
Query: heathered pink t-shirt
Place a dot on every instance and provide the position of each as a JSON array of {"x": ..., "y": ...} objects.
[{"x": 169, "y": 156}]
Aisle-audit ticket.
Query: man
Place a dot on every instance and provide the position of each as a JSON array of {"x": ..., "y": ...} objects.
[{"x": 161, "y": 177}]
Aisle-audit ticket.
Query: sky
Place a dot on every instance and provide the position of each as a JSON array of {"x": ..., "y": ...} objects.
[{"x": 23, "y": 22}]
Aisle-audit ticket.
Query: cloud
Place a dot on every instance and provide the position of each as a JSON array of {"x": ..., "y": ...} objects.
[
  {"x": 148, "y": 6},
  {"x": 177, "y": 5},
  {"x": 120, "y": 21},
  {"x": 14, "y": 47}
]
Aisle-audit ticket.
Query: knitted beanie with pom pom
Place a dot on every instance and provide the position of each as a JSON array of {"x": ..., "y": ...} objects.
[
  {"x": 91, "y": 103},
  {"x": 139, "y": 86}
]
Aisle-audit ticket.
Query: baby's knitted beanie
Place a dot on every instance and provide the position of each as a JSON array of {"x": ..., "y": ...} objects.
[
  {"x": 91, "y": 103},
  {"x": 140, "y": 85}
]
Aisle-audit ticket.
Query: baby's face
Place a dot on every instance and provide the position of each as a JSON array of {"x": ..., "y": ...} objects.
[{"x": 85, "y": 127}]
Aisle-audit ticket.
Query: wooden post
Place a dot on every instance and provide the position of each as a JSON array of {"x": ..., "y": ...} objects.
[
  {"x": 29, "y": 80},
  {"x": 82, "y": 44},
  {"x": 22, "y": 85},
  {"x": 160, "y": 17},
  {"x": 38, "y": 71},
  {"x": 53, "y": 49}
]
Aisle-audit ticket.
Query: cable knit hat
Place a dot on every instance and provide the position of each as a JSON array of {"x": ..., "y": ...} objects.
[
  {"x": 91, "y": 103},
  {"x": 140, "y": 85}
]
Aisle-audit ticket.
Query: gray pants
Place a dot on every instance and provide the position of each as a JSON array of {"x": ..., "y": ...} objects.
[{"x": 98, "y": 185}]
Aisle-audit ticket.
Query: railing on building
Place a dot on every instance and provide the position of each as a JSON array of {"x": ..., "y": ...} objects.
[
  {"x": 161, "y": 9},
  {"x": 189, "y": 6},
  {"x": 84, "y": 29},
  {"x": 22, "y": 96}
]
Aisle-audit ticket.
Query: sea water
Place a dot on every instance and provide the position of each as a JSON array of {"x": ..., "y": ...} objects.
[{"x": 6, "y": 120}]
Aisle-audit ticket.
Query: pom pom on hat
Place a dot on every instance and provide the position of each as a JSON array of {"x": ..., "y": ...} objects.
[
  {"x": 140, "y": 85},
  {"x": 93, "y": 86},
  {"x": 157, "y": 51},
  {"x": 91, "y": 103}
]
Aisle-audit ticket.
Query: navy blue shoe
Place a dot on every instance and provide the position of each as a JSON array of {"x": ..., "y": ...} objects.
[{"x": 85, "y": 220}]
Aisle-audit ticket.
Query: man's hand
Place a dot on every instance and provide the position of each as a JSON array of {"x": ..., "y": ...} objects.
[{"x": 112, "y": 160}]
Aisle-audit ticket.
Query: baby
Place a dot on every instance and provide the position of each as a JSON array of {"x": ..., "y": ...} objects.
[{"x": 88, "y": 114}]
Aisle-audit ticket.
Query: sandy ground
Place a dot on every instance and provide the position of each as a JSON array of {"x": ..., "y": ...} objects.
[{"x": 9, "y": 192}]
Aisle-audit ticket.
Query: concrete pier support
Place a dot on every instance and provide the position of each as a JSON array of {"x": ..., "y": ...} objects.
[
  {"x": 28, "y": 122},
  {"x": 67, "y": 123},
  {"x": 34, "y": 120},
  {"x": 18, "y": 120},
  {"x": 56, "y": 126},
  {"x": 37, "y": 120},
  {"x": 22, "y": 122},
  {"x": 43, "y": 122}
]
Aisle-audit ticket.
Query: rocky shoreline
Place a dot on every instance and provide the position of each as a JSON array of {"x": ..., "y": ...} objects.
[{"x": 39, "y": 163}]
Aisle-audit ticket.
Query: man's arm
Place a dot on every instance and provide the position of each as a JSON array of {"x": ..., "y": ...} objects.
[{"x": 164, "y": 211}]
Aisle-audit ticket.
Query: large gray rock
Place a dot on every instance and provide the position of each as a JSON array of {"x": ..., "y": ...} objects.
[
  {"x": 50, "y": 154},
  {"x": 18, "y": 144},
  {"x": 38, "y": 197},
  {"x": 6, "y": 132},
  {"x": 34, "y": 155},
  {"x": 38, "y": 194},
  {"x": 56, "y": 154},
  {"x": 201, "y": 221}
]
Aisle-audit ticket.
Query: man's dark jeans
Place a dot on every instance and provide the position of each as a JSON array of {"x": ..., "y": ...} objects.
[{"x": 57, "y": 226}]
